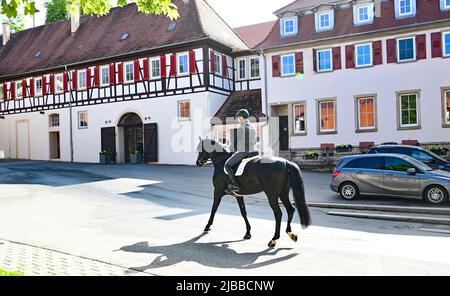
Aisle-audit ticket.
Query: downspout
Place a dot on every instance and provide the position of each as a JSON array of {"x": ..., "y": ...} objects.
[{"x": 70, "y": 112}]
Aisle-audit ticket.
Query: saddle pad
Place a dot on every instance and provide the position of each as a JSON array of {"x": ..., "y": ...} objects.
[{"x": 243, "y": 164}]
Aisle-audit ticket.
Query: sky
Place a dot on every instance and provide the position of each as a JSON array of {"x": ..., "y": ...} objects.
[{"x": 249, "y": 12}]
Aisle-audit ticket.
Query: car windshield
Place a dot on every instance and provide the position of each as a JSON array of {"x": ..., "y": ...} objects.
[
  {"x": 438, "y": 157},
  {"x": 418, "y": 164}
]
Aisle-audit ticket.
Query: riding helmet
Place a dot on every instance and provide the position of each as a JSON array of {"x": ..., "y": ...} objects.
[{"x": 242, "y": 113}]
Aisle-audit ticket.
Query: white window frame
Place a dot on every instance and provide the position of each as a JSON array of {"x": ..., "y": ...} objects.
[
  {"x": 370, "y": 54},
  {"x": 259, "y": 66},
  {"x": 446, "y": 6},
  {"x": 79, "y": 79},
  {"x": 282, "y": 65},
  {"x": 151, "y": 68},
  {"x": 446, "y": 119},
  {"x": 285, "y": 20},
  {"x": 400, "y": 8},
  {"x": 370, "y": 12},
  {"x": 125, "y": 78},
  {"x": 182, "y": 54},
  {"x": 320, "y": 116},
  {"x": 239, "y": 69},
  {"x": 298, "y": 132},
  {"x": 400, "y": 110},
  {"x": 37, "y": 91},
  {"x": 1, "y": 93},
  {"x": 414, "y": 49},
  {"x": 330, "y": 21},
  {"x": 318, "y": 60},
  {"x": 359, "y": 113},
  {"x": 19, "y": 94},
  {"x": 59, "y": 91},
  {"x": 79, "y": 120},
  {"x": 218, "y": 63},
  {"x": 101, "y": 76},
  {"x": 51, "y": 122},
  {"x": 444, "y": 53},
  {"x": 179, "y": 110}
]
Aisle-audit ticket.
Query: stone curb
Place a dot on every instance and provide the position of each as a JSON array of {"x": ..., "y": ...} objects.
[
  {"x": 400, "y": 218},
  {"x": 397, "y": 209}
]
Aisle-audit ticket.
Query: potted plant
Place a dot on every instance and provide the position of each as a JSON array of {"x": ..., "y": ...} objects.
[
  {"x": 344, "y": 148},
  {"x": 439, "y": 150},
  {"x": 311, "y": 155},
  {"x": 105, "y": 157},
  {"x": 135, "y": 156}
]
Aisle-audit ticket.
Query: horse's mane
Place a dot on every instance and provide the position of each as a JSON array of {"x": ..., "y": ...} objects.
[{"x": 223, "y": 147}]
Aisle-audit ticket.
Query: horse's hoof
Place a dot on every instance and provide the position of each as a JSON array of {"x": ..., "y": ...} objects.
[
  {"x": 293, "y": 236},
  {"x": 248, "y": 236},
  {"x": 272, "y": 243},
  {"x": 207, "y": 229}
]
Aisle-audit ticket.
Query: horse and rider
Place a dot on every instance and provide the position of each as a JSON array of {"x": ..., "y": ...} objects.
[{"x": 274, "y": 176}]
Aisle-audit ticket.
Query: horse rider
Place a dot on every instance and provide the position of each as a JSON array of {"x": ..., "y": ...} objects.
[{"x": 246, "y": 147}]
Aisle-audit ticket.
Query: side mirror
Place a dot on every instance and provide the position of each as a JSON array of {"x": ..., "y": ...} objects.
[{"x": 411, "y": 171}]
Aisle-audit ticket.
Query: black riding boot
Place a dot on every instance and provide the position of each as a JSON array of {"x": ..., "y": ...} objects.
[{"x": 233, "y": 187}]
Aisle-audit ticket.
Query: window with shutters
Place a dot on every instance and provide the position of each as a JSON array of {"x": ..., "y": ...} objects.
[
  {"x": 19, "y": 90},
  {"x": 324, "y": 60},
  {"x": 1, "y": 93},
  {"x": 53, "y": 120},
  {"x": 408, "y": 110},
  {"x": 242, "y": 69},
  {"x": 104, "y": 76},
  {"x": 254, "y": 68},
  {"x": 37, "y": 86},
  {"x": 155, "y": 68},
  {"x": 218, "y": 63},
  {"x": 366, "y": 113},
  {"x": 446, "y": 44},
  {"x": 288, "y": 26},
  {"x": 363, "y": 55},
  {"x": 324, "y": 20},
  {"x": 363, "y": 14},
  {"x": 184, "y": 110},
  {"x": 183, "y": 63},
  {"x": 299, "y": 117},
  {"x": 288, "y": 65},
  {"x": 128, "y": 72},
  {"x": 59, "y": 84},
  {"x": 327, "y": 116},
  {"x": 82, "y": 79},
  {"x": 82, "y": 119},
  {"x": 406, "y": 49}
]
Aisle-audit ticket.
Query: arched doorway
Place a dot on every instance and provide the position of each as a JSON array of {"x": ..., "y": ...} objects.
[{"x": 133, "y": 134}]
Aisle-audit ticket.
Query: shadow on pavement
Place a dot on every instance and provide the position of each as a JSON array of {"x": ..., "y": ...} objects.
[{"x": 214, "y": 254}]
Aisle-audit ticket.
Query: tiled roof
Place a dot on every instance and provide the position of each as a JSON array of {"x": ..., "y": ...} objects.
[
  {"x": 250, "y": 100},
  {"x": 427, "y": 12},
  {"x": 305, "y": 4},
  {"x": 253, "y": 35},
  {"x": 99, "y": 37}
]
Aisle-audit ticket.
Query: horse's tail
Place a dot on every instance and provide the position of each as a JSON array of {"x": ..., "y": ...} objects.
[{"x": 298, "y": 189}]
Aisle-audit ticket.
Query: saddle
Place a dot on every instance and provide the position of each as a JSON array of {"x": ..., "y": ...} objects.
[{"x": 241, "y": 167}]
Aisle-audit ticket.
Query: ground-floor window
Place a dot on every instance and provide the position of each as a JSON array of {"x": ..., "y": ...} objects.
[
  {"x": 366, "y": 113},
  {"x": 446, "y": 106},
  {"x": 1, "y": 93},
  {"x": 82, "y": 119},
  {"x": 408, "y": 110},
  {"x": 327, "y": 116},
  {"x": 299, "y": 118},
  {"x": 184, "y": 110},
  {"x": 54, "y": 120}
]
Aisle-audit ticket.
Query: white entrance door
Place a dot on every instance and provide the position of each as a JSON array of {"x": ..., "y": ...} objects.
[{"x": 23, "y": 139}]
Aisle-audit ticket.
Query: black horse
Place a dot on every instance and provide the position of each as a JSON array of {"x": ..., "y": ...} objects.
[{"x": 273, "y": 175}]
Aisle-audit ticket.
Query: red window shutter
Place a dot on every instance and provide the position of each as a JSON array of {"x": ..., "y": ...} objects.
[
  {"x": 377, "y": 52},
  {"x": 315, "y": 60},
  {"x": 12, "y": 85},
  {"x": 436, "y": 45},
  {"x": 120, "y": 76},
  {"x": 44, "y": 85},
  {"x": 192, "y": 62},
  {"x": 146, "y": 70},
  {"x": 52, "y": 84},
  {"x": 212, "y": 58},
  {"x": 32, "y": 87},
  {"x": 88, "y": 78},
  {"x": 337, "y": 64},
  {"x": 173, "y": 65},
  {"x": 112, "y": 74},
  {"x": 5, "y": 91},
  {"x": 74, "y": 80},
  {"x": 24, "y": 88},
  {"x": 421, "y": 47},
  {"x": 276, "y": 66},
  {"x": 137, "y": 71},
  {"x": 224, "y": 66},
  {"x": 299, "y": 63},
  {"x": 65, "y": 81},
  {"x": 163, "y": 65},
  {"x": 391, "y": 51},
  {"x": 350, "y": 56},
  {"x": 96, "y": 76}
]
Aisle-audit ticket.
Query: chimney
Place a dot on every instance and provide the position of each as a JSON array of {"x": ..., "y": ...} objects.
[
  {"x": 74, "y": 20},
  {"x": 6, "y": 33},
  {"x": 377, "y": 8}
]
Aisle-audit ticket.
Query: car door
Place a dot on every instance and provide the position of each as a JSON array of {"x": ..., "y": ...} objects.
[
  {"x": 367, "y": 173},
  {"x": 396, "y": 179}
]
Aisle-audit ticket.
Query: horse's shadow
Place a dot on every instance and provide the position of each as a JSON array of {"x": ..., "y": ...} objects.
[{"x": 214, "y": 254}]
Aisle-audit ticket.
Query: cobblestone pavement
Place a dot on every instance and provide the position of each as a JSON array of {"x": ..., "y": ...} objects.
[{"x": 35, "y": 261}]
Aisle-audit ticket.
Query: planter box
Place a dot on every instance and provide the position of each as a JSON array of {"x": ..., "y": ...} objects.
[
  {"x": 135, "y": 158},
  {"x": 105, "y": 159}
]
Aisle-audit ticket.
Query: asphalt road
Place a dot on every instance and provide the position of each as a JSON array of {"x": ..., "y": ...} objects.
[{"x": 150, "y": 218}]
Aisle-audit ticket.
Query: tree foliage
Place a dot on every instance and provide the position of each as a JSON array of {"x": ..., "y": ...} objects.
[
  {"x": 56, "y": 10},
  {"x": 16, "y": 24}
]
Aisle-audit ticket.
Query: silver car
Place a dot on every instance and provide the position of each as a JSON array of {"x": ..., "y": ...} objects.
[{"x": 390, "y": 175}]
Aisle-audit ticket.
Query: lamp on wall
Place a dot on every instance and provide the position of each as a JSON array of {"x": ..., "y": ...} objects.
[
  {"x": 42, "y": 112},
  {"x": 2, "y": 117}
]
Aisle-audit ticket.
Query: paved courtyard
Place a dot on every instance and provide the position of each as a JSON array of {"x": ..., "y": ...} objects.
[{"x": 76, "y": 219}]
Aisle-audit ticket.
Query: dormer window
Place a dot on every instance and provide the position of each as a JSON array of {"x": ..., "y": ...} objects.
[
  {"x": 289, "y": 26},
  {"x": 363, "y": 14},
  {"x": 405, "y": 8},
  {"x": 324, "y": 20},
  {"x": 445, "y": 4}
]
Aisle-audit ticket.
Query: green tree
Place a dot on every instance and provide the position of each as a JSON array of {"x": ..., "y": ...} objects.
[
  {"x": 11, "y": 8},
  {"x": 17, "y": 23},
  {"x": 56, "y": 10}
]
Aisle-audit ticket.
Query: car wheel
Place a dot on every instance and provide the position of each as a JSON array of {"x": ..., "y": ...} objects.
[
  {"x": 435, "y": 195},
  {"x": 349, "y": 191}
]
